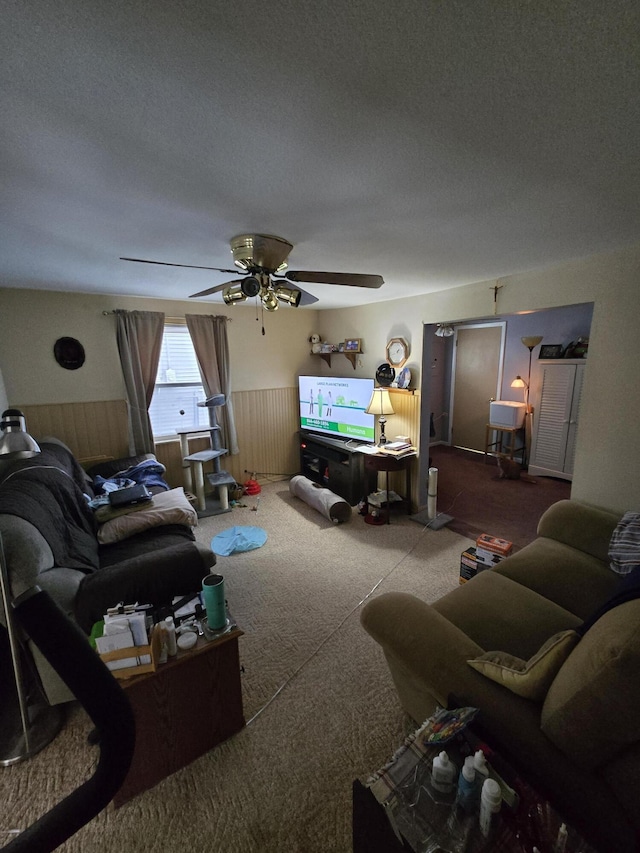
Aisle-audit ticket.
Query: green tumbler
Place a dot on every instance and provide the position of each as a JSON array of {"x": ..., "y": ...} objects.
[{"x": 214, "y": 604}]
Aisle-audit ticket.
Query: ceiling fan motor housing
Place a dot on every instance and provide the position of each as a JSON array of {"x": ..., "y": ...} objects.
[{"x": 260, "y": 251}]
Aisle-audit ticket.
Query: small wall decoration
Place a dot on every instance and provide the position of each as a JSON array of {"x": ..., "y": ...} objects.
[
  {"x": 352, "y": 345},
  {"x": 69, "y": 353},
  {"x": 550, "y": 351}
]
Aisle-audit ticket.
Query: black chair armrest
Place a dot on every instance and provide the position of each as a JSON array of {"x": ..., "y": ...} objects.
[{"x": 151, "y": 578}]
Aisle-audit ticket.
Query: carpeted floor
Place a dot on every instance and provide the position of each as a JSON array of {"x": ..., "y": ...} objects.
[
  {"x": 319, "y": 701},
  {"x": 470, "y": 490}
]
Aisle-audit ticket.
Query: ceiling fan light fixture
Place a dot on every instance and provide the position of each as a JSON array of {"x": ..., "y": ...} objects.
[
  {"x": 269, "y": 300},
  {"x": 233, "y": 295},
  {"x": 288, "y": 295},
  {"x": 251, "y": 285}
]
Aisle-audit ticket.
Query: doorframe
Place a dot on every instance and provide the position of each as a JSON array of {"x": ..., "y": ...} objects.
[{"x": 452, "y": 390}]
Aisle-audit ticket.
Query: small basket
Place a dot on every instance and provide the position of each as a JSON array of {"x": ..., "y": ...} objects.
[{"x": 152, "y": 649}]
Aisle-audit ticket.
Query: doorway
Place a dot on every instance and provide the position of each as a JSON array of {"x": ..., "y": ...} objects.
[{"x": 476, "y": 379}]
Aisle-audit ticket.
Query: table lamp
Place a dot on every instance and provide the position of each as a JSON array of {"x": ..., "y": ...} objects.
[
  {"x": 380, "y": 404},
  {"x": 519, "y": 382}
]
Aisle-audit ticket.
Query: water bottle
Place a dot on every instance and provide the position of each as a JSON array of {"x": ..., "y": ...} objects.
[{"x": 214, "y": 603}]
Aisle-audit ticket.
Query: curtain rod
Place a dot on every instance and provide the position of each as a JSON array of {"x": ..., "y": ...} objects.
[{"x": 168, "y": 319}]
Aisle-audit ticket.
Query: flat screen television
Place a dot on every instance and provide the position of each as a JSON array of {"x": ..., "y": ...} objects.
[{"x": 335, "y": 406}]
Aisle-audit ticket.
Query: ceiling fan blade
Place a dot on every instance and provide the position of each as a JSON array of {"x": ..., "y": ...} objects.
[
  {"x": 351, "y": 279},
  {"x": 186, "y": 266},
  {"x": 306, "y": 298},
  {"x": 217, "y": 288}
]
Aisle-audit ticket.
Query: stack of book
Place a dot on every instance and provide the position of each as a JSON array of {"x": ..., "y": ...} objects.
[{"x": 397, "y": 448}]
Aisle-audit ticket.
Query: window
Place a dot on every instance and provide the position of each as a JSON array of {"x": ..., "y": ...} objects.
[{"x": 178, "y": 387}]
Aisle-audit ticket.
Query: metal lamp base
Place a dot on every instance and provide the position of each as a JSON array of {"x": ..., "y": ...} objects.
[{"x": 45, "y": 721}]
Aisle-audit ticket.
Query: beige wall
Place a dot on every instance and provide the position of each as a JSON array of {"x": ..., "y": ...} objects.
[
  {"x": 607, "y": 466},
  {"x": 32, "y": 320}
]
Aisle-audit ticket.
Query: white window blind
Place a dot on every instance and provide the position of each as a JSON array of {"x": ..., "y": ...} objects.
[{"x": 178, "y": 387}]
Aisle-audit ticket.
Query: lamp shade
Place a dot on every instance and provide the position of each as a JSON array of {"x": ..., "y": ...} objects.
[
  {"x": 15, "y": 441},
  {"x": 380, "y": 403},
  {"x": 518, "y": 382},
  {"x": 531, "y": 341}
]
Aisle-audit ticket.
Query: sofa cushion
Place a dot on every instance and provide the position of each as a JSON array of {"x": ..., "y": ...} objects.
[
  {"x": 591, "y": 708},
  {"x": 530, "y": 679},
  {"x": 170, "y": 507},
  {"x": 498, "y": 613},
  {"x": 576, "y": 581}
]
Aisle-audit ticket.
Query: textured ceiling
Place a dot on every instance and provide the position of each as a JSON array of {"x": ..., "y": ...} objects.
[{"x": 435, "y": 143}]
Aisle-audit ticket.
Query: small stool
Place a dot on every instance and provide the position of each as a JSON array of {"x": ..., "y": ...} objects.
[{"x": 500, "y": 448}]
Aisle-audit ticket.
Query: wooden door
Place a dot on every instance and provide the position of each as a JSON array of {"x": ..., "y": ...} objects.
[{"x": 476, "y": 380}]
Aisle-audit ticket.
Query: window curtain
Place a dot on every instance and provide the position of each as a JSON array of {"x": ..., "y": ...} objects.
[
  {"x": 139, "y": 335},
  {"x": 211, "y": 345}
]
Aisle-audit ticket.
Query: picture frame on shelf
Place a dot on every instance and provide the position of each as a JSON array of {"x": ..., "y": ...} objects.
[
  {"x": 551, "y": 351},
  {"x": 352, "y": 344},
  {"x": 341, "y": 346}
]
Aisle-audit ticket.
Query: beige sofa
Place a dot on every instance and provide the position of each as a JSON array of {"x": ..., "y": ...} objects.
[{"x": 579, "y": 738}]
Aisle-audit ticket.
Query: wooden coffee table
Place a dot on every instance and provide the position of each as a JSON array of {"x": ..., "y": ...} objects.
[{"x": 189, "y": 705}]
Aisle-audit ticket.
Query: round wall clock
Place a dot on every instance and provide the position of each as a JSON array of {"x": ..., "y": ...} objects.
[
  {"x": 69, "y": 353},
  {"x": 397, "y": 352}
]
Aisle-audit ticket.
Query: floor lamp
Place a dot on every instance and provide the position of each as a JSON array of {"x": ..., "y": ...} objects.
[
  {"x": 530, "y": 341},
  {"x": 39, "y": 722}
]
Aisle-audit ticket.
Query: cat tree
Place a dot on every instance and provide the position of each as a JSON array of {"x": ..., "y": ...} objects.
[{"x": 220, "y": 480}]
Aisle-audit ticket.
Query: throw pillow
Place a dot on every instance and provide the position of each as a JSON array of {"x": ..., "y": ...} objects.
[
  {"x": 530, "y": 679},
  {"x": 170, "y": 507},
  {"x": 624, "y": 547}
]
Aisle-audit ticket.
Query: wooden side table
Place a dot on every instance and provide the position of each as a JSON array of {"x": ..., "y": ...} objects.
[
  {"x": 383, "y": 462},
  {"x": 189, "y": 705}
]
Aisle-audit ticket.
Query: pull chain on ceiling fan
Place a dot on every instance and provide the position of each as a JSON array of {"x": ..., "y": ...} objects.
[{"x": 264, "y": 258}]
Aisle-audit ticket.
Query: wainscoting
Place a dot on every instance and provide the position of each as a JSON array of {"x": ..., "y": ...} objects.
[
  {"x": 93, "y": 431},
  {"x": 266, "y": 421}
]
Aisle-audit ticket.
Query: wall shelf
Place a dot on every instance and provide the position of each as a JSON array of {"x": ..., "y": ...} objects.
[{"x": 326, "y": 356}]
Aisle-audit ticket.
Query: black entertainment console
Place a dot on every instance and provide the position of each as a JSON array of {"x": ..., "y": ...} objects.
[{"x": 336, "y": 465}]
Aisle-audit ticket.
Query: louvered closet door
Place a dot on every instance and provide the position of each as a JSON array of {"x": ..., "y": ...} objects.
[
  {"x": 574, "y": 417},
  {"x": 556, "y": 421}
]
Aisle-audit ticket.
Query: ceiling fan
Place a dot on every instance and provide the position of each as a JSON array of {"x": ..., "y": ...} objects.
[{"x": 263, "y": 257}]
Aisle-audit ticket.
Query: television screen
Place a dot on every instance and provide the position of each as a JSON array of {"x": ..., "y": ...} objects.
[{"x": 336, "y": 407}]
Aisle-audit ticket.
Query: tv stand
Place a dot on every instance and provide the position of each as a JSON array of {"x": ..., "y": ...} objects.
[{"x": 335, "y": 465}]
